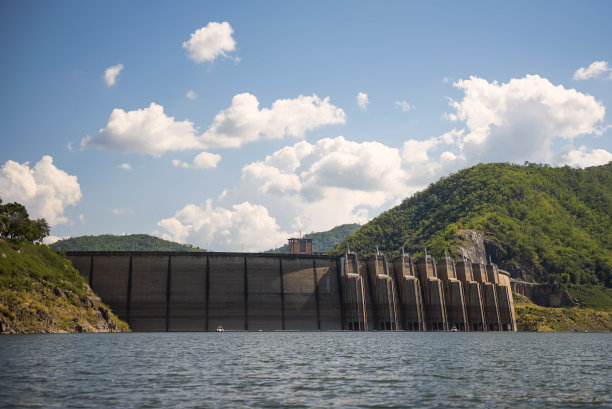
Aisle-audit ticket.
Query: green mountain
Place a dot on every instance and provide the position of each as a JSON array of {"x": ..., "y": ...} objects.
[
  {"x": 536, "y": 221},
  {"x": 324, "y": 241},
  {"x": 109, "y": 242}
]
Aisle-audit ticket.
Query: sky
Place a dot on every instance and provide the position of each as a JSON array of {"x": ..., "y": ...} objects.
[{"x": 235, "y": 125}]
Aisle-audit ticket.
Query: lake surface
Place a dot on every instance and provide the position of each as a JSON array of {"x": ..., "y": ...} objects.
[{"x": 276, "y": 370}]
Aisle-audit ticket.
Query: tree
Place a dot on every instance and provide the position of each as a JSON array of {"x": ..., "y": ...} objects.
[{"x": 15, "y": 223}]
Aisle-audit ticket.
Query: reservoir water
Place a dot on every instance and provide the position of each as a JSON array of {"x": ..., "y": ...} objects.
[{"x": 278, "y": 370}]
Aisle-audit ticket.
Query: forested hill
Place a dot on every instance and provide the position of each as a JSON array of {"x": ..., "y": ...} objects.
[
  {"x": 109, "y": 242},
  {"x": 324, "y": 241},
  {"x": 537, "y": 220}
]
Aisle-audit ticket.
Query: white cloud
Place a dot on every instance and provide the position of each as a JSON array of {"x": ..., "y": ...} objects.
[
  {"x": 52, "y": 239},
  {"x": 403, "y": 106},
  {"x": 180, "y": 164},
  {"x": 582, "y": 157},
  {"x": 151, "y": 131},
  {"x": 125, "y": 166},
  {"x": 44, "y": 190},
  {"x": 331, "y": 182},
  {"x": 204, "y": 160},
  {"x": 522, "y": 120},
  {"x": 210, "y": 42},
  {"x": 594, "y": 70},
  {"x": 147, "y": 130},
  {"x": 362, "y": 100},
  {"x": 82, "y": 218},
  {"x": 191, "y": 94},
  {"x": 519, "y": 120},
  {"x": 111, "y": 74},
  {"x": 121, "y": 212},
  {"x": 415, "y": 151},
  {"x": 244, "y": 122},
  {"x": 225, "y": 229}
]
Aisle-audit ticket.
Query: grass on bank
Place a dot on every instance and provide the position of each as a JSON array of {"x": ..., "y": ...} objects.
[
  {"x": 595, "y": 297},
  {"x": 532, "y": 317},
  {"x": 40, "y": 291}
]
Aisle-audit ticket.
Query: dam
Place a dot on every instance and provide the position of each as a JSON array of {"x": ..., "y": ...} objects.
[{"x": 197, "y": 291}]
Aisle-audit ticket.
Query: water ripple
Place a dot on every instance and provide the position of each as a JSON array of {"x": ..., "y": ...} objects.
[{"x": 281, "y": 370}]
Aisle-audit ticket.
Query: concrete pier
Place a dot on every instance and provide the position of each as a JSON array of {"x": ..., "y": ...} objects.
[
  {"x": 455, "y": 300},
  {"x": 433, "y": 295},
  {"x": 472, "y": 296},
  {"x": 385, "y": 301},
  {"x": 354, "y": 294},
  {"x": 411, "y": 300}
]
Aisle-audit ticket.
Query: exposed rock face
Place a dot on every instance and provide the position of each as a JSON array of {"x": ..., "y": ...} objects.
[
  {"x": 53, "y": 311},
  {"x": 477, "y": 246},
  {"x": 472, "y": 245}
]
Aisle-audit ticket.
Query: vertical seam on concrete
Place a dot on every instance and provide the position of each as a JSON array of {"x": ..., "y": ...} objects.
[
  {"x": 207, "y": 291},
  {"x": 316, "y": 283},
  {"x": 399, "y": 312},
  {"x": 375, "y": 319},
  {"x": 91, "y": 271},
  {"x": 129, "y": 291},
  {"x": 282, "y": 292},
  {"x": 340, "y": 295},
  {"x": 168, "y": 289},
  {"x": 246, "y": 296}
]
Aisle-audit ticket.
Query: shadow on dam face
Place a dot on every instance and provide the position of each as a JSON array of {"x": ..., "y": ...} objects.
[{"x": 177, "y": 291}]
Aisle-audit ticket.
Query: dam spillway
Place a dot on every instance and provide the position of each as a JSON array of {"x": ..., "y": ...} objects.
[{"x": 178, "y": 291}]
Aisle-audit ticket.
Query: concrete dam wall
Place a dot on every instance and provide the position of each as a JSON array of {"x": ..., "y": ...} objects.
[{"x": 171, "y": 291}]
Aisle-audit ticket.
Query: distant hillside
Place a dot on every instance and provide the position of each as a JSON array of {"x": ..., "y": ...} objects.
[
  {"x": 536, "y": 221},
  {"x": 324, "y": 241},
  {"x": 109, "y": 242}
]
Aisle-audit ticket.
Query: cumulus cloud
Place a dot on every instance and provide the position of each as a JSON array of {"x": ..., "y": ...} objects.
[
  {"x": 151, "y": 131},
  {"x": 522, "y": 120},
  {"x": 403, "y": 106},
  {"x": 191, "y": 95},
  {"x": 594, "y": 70},
  {"x": 362, "y": 100},
  {"x": 226, "y": 229},
  {"x": 210, "y": 42},
  {"x": 147, "y": 130},
  {"x": 111, "y": 74},
  {"x": 204, "y": 160},
  {"x": 519, "y": 120},
  {"x": 244, "y": 122},
  {"x": 317, "y": 186},
  {"x": 125, "y": 166},
  {"x": 44, "y": 190},
  {"x": 582, "y": 157},
  {"x": 52, "y": 239},
  {"x": 180, "y": 164}
]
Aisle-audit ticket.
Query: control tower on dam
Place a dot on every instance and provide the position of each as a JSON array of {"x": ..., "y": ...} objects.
[{"x": 179, "y": 291}]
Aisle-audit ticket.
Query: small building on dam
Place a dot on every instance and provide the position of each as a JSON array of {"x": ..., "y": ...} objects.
[{"x": 178, "y": 291}]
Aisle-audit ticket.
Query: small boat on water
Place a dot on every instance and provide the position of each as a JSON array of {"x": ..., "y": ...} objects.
[
  {"x": 454, "y": 329},
  {"x": 220, "y": 328}
]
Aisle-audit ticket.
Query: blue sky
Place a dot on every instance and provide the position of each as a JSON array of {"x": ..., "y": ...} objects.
[{"x": 253, "y": 130}]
